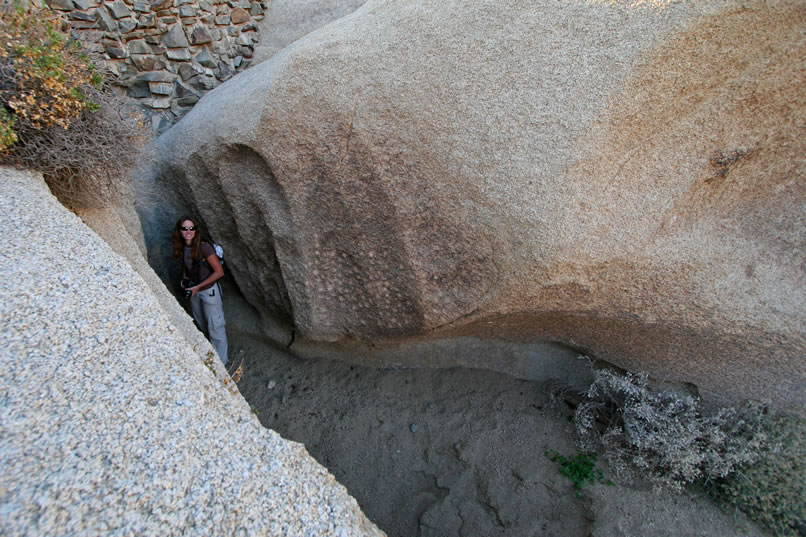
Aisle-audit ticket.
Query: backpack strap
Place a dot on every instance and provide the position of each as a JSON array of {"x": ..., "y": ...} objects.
[
  {"x": 203, "y": 259},
  {"x": 218, "y": 252}
]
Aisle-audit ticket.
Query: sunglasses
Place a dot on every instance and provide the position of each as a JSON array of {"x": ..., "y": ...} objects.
[{"x": 191, "y": 228}]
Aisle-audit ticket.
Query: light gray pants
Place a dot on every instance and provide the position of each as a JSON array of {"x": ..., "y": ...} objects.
[{"x": 208, "y": 311}]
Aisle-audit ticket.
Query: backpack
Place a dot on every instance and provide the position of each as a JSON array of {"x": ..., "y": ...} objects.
[{"x": 219, "y": 251}]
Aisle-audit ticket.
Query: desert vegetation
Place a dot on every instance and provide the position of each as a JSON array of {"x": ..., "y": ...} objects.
[
  {"x": 748, "y": 458},
  {"x": 59, "y": 112}
]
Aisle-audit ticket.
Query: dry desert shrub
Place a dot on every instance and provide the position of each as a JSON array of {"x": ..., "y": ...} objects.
[
  {"x": 747, "y": 458},
  {"x": 664, "y": 435},
  {"x": 771, "y": 490},
  {"x": 60, "y": 115}
]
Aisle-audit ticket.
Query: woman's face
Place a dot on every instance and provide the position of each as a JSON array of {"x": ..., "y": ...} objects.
[{"x": 188, "y": 229}]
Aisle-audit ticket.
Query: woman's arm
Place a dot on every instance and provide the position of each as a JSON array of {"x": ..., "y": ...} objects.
[{"x": 218, "y": 273}]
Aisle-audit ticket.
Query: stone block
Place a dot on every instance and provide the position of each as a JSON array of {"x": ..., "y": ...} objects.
[
  {"x": 81, "y": 16},
  {"x": 205, "y": 59},
  {"x": 183, "y": 90},
  {"x": 117, "y": 68},
  {"x": 138, "y": 46},
  {"x": 158, "y": 103},
  {"x": 189, "y": 70},
  {"x": 160, "y": 124},
  {"x": 206, "y": 5},
  {"x": 255, "y": 9},
  {"x": 200, "y": 35},
  {"x": 140, "y": 7},
  {"x": 61, "y": 5},
  {"x": 118, "y": 9},
  {"x": 178, "y": 54},
  {"x": 147, "y": 62},
  {"x": 207, "y": 19},
  {"x": 175, "y": 37},
  {"x": 146, "y": 21},
  {"x": 202, "y": 82},
  {"x": 136, "y": 34},
  {"x": 239, "y": 16},
  {"x": 105, "y": 21},
  {"x": 157, "y": 5},
  {"x": 161, "y": 88},
  {"x": 127, "y": 25},
  {"x": 156, "y": 76},
  {"x": 238, "y": 61},
  {"x": 92, "y": 39},
  {"x": 222, "y": 20},
  {"x": 189, "y": 100},
  {"x": 178, "y": 110},
  {"x": 83, "y": 25},
  {"x": 187, "y": 11},
  {"x": 245, "y": 40},
  {"x": 85, "y": 5},
  {"x": 170, "y": 19},
  {"x": 116, "y": 53},
  {"x": 224, "y": 72},
  {"x": 223, "y": 48}
]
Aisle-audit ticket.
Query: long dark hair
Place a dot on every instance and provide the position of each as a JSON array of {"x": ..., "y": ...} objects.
[{"x": 179, "y": 242}]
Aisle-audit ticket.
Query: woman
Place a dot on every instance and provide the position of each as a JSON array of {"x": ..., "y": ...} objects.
[{"x": 201, "y": 270}]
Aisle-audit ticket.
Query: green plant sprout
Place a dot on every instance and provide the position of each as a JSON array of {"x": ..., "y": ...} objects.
[{"x": 580, "y": 469}]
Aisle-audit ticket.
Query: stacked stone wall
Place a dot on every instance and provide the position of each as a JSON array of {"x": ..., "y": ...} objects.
[{"x": 167, "y": 53}]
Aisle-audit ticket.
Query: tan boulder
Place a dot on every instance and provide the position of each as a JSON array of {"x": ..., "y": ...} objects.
[
  {"x": 624, "y": 179},
  {"x": 288, "y": 20}
]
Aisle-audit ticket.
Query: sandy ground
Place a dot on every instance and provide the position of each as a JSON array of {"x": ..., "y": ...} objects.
[{"x": 450, "y": 452}]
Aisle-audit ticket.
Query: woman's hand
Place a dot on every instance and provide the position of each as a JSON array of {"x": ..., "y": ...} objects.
[
  {"x": 193, "y": 290},
  {"x": 218, "y": 273}
]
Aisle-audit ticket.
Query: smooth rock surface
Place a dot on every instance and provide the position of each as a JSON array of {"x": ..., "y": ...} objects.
[
  {"x": 623, "y": 178},
  {"x": 288, "y": 20},
  {"x": 111, "y": 423}
]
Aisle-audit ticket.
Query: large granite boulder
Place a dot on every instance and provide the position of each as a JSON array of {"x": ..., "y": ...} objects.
[
  {"x": 288, "y": 20},
  {"x": 116, "y": 419},
  {"x": 625, "y": 179}
]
